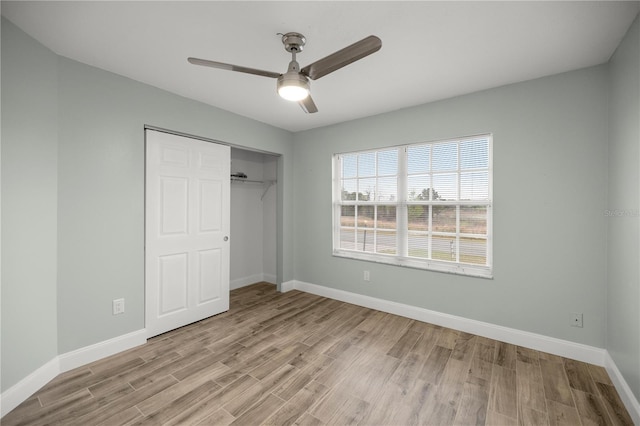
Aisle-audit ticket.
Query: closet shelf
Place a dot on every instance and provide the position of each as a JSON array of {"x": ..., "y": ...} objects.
[{"x": 268, "y": 183}]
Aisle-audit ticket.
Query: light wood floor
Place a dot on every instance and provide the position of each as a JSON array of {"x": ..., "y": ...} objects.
[{"x": 296, "y": 358}]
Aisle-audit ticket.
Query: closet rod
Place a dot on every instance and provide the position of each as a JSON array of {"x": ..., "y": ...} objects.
[{"x": 235, "y": 179}]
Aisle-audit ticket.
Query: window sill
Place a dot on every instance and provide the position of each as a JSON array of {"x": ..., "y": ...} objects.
[{"x": 469, "y": 270}]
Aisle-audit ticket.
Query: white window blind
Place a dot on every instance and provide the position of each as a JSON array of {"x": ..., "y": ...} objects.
[{"x": 424, "y": 205}]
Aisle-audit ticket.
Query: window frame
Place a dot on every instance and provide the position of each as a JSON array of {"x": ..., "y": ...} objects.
[{"x": 402, "y": 204}]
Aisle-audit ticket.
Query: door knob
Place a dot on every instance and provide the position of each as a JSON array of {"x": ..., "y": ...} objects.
[{"x": 226, "y": 238}]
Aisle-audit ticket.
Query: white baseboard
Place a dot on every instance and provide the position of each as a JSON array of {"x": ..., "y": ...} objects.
[
  {"x": 628, "y": 398},
  {"x": 88, "y": 354},
  {"x": 535, "y": 341},
  {"x": 26, "y": 387},
  {"x": 22, "y": 390},
  {"x": 245, "y": 281},
  {"x": 288, "y": 286}
]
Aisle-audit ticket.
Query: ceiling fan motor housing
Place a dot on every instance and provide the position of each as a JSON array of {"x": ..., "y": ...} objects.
[{"x": 293, "y": 42}]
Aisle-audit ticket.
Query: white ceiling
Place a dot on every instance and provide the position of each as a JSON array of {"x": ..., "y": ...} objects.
[{"x": 430, "y": 50}]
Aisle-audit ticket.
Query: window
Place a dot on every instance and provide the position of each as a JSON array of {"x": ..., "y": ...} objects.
[{"x": 425, "y": 205}]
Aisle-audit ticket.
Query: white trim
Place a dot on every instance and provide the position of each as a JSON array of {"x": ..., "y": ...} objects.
[
  {"x": 535, "y": 341},
  {"x": 26, "y": 387},
  {"x": 22, "y": 390},
  {"x": 251, "y": 279},
  {"x": 628, "y": 398},
  {"x": 88, "y": 354},
  {"x": 245, "y": 281},
  {"x": 288, "y": 286}
]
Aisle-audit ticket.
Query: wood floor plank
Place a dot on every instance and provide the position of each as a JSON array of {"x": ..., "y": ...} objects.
[
  {"x": 433, "y": 368},
  {"x": 408, "y": 371},
  {"x": 308, "y": 420},
  {"x": 70, "y": 383},
  {"x": 178, "y": 392},
  {"x": 452, "y": 382},
  {"x": 505, "y": 355},
  {"x": 369, "y": 374},
  {"x": 503, "y": 396},
  {"x": 496, "y": 419},
  {"x": 590, "y": 409},
  {"x": 127, "y": 417},
  {"x": 471, "y": 411},
  {"x": 555, "y": 382},
  {"x": 297, "y": 382},
  {"x": 435, "y": 413},
  {"x": 464, "y": 347},
  {"x": 428, "y": 339},
  {"x": 119, "y": 381},
  {"x": 219, "y": 417},
  {"x": 579, "y": 376},
  {"x": 529, "y": 385},
  {"x": 284, "y": 356},
  {"x": 390, "y": 408},
  {"x": 255, "y": 394},
  {"x": 526, "y": 355},
  {"x": 301, "y": 359},
  {"x": 614, "y": 405},
  {"x": 125, "y": 402},
  {"x": 562, "y": 415},
  {"x": 174, "y": 407},
  {"x": 213, "y": 404},
  {"x": 260, "y": 411},
  {"x": 447, "y": 338},
  {"x": 162, "y": 371},
  {"x": 404, "y": 344},
  {"x": 64, "y": 408},
  {"x": 298, "y": 405},
  {"x": 340, "y": 408},
  {"x": 599, "y": 374},
  {"x": 530, "y": 416}
]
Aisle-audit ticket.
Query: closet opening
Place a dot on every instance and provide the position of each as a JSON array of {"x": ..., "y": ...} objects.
[{"x": 253, "y": 255}]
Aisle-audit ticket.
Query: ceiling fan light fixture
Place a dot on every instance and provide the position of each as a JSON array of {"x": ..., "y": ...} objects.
[{"x": 293, "y": 86}]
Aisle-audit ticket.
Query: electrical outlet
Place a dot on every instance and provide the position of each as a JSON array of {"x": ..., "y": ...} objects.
[
  {"x": 118, "y": 306},
  {"x": 576, "y": 319},
  {"x": 366, "y": 276}
]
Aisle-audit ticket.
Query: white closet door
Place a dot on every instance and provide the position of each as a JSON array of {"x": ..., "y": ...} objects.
[{"x": 186, "y": 231}]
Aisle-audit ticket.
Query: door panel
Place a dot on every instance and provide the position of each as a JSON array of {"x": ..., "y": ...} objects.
[
  {"x": 210, "y": 209},
  {"x": 209, "y": 266},
  {"x": 172, "y": 283},
  {"x": 173, "y": 206},
  {"x": 187, "y": 220}
]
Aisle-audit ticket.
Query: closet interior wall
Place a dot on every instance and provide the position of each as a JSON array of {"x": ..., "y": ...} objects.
[{"x": 253, "y": 218}]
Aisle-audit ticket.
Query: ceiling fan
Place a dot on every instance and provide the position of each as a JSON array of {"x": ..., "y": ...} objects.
[{"x": 294, "y": 84}]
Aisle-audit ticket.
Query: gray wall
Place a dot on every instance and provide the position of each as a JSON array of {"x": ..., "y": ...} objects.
[
  {"x": 550, "y": 184},
  {"x": 29, "y": 205},
  {"x": 73, "y": 235},
  {"x": 623, "y": 280}
]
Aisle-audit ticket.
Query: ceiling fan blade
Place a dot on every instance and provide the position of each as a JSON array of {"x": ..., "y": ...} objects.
[
  {"x": 308, "y": 105},
  {"x": 229, "y": 67},
  {"x": 343, "y": 57}
]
